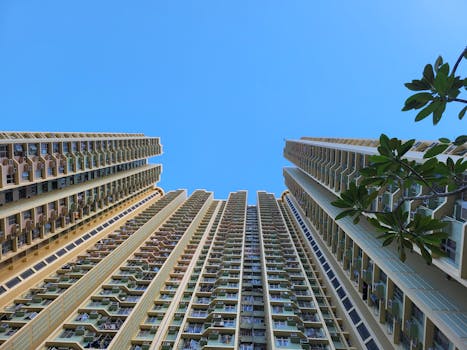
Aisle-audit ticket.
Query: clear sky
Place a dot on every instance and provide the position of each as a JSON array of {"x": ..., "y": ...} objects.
[{"x": 223, "y": 83}]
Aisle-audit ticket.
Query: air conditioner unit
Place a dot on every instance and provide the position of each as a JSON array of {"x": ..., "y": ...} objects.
[
  {"x": 14, "y": 229},
  {"x": 29, "y": 225}
]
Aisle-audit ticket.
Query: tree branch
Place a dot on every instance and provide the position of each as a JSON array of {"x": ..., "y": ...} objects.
[
  {"x": 420, "y": 177},
  {"x": 457, "y": 100},
  {"x": 412, "y": 198},
  {"x": 437, "y": 194},
  {"x": 459, "y": 59}
]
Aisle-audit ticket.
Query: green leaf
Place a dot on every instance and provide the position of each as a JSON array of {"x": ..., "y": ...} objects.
[
  {"x": 379, "y": 159},
  {"x": 404, "y": 148},
  {"x": 375, "y": 223},
  {"x": 436, "y": 237},
  {"x": 437, "y": 251},
  {"x": 444, "y": 69},
  {"x": 421, "y": 97},
  {"x": 384, "y": 141},
  {"x": 425, "y": 112},
  {"x": 438, "y": 112},
  {"x": 441, "y": 82},
  {"x": 438, "y": 63},
  {"x": 341, "y": 204},
  {"x": 460, "y": 166},
  {"x": 435, "y": 150},
  {"x": 444, "y": 140},
  {"x": 402, "y": 255},
  {"x": 345, "y": 213},
  {"x": 417, "y": 85},
  {"x": 406, "y": 243},
  {"x": 450, "y": 164},
  {"x": 462, "y": 112},
  {"x": 425, "y": 254},
  {"x": 428, "y": 73},
  {"x": 388, "y": 241},
  {"x": 460, "y": 140},
  {"x": 417, "y": 101}
]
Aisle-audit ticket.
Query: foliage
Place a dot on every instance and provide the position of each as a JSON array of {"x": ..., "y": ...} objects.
[{"x": 391, "y": 169}]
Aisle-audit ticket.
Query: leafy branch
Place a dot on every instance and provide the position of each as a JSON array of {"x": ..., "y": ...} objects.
[
  {"x": 391, "y": 168},
  {"x": 440, "y": 86}
]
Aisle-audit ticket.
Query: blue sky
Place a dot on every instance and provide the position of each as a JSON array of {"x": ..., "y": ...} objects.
[{"x": 223, "y": 83}]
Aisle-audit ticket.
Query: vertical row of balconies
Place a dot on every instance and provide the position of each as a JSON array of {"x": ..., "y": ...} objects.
[
  {"x": 252, "y": 312},
  {"x": 36, "y": 299},
  {"x": 222, "y": 275},
  {"x": 334, "y": 324},
  {"x": 294, "y": 310},
  {"x": 402, "y": 319},
  {"x": 212, "y": 317},
  {"x": 189, "y": 322},
  {"x": 116, "y": 298},
  {"x": 169, "y": 296},
  {"x": 31, "y": 160}
]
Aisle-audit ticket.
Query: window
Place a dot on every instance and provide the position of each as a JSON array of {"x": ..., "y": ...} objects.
[
  {"x": 246, "y": 319},
  {"x": 245, "y": 332},
  {"x": 247, "y": 307},
  {"x": 280, "y": 323},
  {"x": 3, "y": 151},
  {"x": 441, "y": 341},
  {"x": 18, "y": 150},
  {"x": 21, "y": 239},
  {"x": 229, "y": 307},
  {"x": 9, "y": 196},
  {"x": 151, "y": 319},
  {"x": 398, "y": 294},
  {"x": 449, "y": 246},
  {"x": 226, "y": 338},
  {"x": 417, "y": 314},
  {"x": 33, "y": 149},
  {"x": 282, "y": 341},
  {"x": 382, "y": 276},
  {"x": 257, "y": 320},
  {"x": 12, "y": 220},
  {"x": 7, "y": 246},
  {"x": 258, "y": 332},
  {"x": 277, "y": 309}
]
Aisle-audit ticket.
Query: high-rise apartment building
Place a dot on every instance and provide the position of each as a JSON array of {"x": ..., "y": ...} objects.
[
  {"x": 95, "y": 256},
  {"x": 53, "y": 183},
  {"x": 405, "y": 305}
]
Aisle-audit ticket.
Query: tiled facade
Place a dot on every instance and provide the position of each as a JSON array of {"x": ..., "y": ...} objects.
[{"x": 414, "y": 306}]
